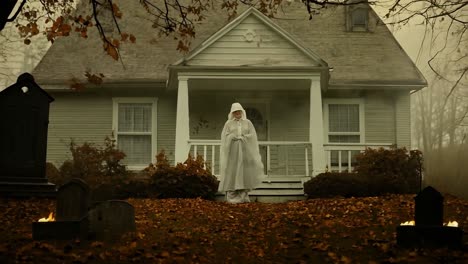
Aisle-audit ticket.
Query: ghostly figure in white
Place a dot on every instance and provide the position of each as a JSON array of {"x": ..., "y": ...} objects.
[{"x": 241, "y": 163}]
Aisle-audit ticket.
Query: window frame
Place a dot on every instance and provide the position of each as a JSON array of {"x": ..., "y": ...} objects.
[
  {"x": 350, "y": 12},
  {"x": 354, "y": 12},
  {"x": 115, "y": 123},
  {"x": 343, "y": 101}
]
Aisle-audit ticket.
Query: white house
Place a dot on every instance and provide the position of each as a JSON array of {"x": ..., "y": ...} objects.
[{"x": 316, "y": 90}]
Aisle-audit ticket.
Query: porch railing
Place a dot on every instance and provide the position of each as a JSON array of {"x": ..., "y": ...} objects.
[
  {"x": 340, "y": 156},
  {"x": 289, "y": 158}
]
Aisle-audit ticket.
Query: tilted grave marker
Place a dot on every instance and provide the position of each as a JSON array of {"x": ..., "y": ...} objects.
[
  {"x": 73, "y": 200},
  {"x": 24, "y": 119},
  {"x": 428, "y": 229},
  {"x": 111, "y": 219}
]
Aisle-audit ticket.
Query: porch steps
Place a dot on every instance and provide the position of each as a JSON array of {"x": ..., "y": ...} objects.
[{"x": 276, "y": 189}]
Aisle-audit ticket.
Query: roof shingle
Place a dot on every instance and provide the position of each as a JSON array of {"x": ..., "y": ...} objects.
[{"x": 372, "y": 57}]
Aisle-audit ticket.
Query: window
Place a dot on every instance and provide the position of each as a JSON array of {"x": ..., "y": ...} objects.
[
  {"x": 344, "y": 123},
  {"x": 358, "y": 17},
  {"x": 134, "y": 126}
]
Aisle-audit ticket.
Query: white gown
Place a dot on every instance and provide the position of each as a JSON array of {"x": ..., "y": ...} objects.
[{"x": 241, "y": 165}]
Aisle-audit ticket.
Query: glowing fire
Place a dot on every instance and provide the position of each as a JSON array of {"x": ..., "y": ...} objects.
[
  {"x": 48, "y": 219},
  {"x": 408, "y": 223},
  {"x": 450, "y": 223}
]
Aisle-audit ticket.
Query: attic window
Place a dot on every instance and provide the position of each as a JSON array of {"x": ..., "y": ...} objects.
[
  {"x": 358, "y": 19},
  {"x": 25, "y": 89}
]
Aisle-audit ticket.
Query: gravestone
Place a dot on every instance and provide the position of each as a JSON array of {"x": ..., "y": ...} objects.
[
  {"x": 111, "y": 219},
  {"x": 429, "y": 230},
  {"x": 429, "y": 208},
  {"x": 73, "y": 200},
  {"x": 24, "y": 118}
]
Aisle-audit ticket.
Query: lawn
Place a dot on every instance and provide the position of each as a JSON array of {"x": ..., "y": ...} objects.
[{"x": 339, "y": 230}]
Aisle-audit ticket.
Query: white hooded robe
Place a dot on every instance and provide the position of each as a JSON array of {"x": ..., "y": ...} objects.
[{"x": 240, "y": 160}]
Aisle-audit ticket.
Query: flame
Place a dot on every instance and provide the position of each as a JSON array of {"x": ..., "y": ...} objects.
[
  {"x": 408, "y": 223},
  {"x": 451, "y": 223},
  {"x": 412, "y": 223},
  {"x": 49, "y": 219}
]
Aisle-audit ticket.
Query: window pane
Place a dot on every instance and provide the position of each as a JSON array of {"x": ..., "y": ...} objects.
[
  {"x": 359, "y": 17},
  {"x": 137, "y": 149},
  {"x": 344, "y": 158},
  {"x": 343, "y": 118},
  {"x": 344, "y": 139},
  {"x": 134, "y": 117}
]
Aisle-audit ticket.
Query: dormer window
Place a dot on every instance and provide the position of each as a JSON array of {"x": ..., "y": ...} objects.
[{"x": 358, "y": 18}]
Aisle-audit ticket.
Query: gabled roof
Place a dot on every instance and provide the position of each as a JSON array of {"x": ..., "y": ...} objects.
[
  {"x": 251, "y": 11},
  {"x": 358, "y": 58}
]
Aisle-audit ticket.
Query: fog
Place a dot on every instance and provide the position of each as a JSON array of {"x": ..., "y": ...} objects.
[{"x": 439, "y": 123}]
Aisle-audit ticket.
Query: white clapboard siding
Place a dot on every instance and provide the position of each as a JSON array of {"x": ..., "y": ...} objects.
[
  {"x": 379, "y": 119},
  {"x": 267, "y": 47},
  {"x": 167, "y": 115},
  {"x": 403, "y": 120},
  {"x": 88, "y": 118},
  {"x": 85, "y": 118}
]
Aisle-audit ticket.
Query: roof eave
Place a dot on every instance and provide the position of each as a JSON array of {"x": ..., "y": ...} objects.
[
  {"x": 64, "y": 86},
  {"x": 377, "y": 86},
  {"x": 174, "y": 71}
]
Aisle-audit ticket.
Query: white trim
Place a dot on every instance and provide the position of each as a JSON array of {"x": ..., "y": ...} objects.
[
  {"x": 358, "y": 101},
  {"x": 154, "y": 120},
  {"x": 249, "y": 75},
  {"x": 234, "y": 23}
]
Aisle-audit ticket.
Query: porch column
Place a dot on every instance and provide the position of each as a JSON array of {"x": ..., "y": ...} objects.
[
  {"x": 316, "y": 127},
  {"x": 182, "y": 122}
]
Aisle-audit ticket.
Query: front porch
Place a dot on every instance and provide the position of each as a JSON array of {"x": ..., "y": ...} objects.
[
  {"x": 284, "y": 159},
  {"x": 287, "y": 165},
  {"x": 291, "y": 117}
]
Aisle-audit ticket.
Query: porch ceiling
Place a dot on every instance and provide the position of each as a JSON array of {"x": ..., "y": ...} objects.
[{"x": 248, "y": 84}]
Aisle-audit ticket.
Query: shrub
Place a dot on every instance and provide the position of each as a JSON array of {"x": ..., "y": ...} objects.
[
  {"x": 187, "y": 180},
  {"x": 94, "y": 164},
  {"x": 392, "y": 170},
  {"x": 122, "y": 190},
  {"x": 331, "y": 184}
]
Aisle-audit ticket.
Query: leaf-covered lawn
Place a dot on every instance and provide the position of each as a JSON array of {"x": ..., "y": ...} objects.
[{"x": 353, "y": 230}]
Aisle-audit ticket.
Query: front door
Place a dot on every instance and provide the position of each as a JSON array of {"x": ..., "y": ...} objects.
[{"x": 257, "y": 113}]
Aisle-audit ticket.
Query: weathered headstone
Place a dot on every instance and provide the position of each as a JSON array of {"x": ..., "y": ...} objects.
[
  {"x": 429, "y": 208},
  {"x": 73, "y": 200},
  {"x": 24, "y": 118},
  {"x": 428, "y": 229},
  {"x": 111, "y": 219}
]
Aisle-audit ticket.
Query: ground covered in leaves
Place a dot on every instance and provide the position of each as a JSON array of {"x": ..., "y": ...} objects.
[{"x": 353, "y": 230}]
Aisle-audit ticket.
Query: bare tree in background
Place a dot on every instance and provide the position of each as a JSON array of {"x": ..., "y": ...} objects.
[
  {"x": 440, "y": 111},
  {"x": 8, "y": 54},
  {"x": 446, "y": 23}
]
